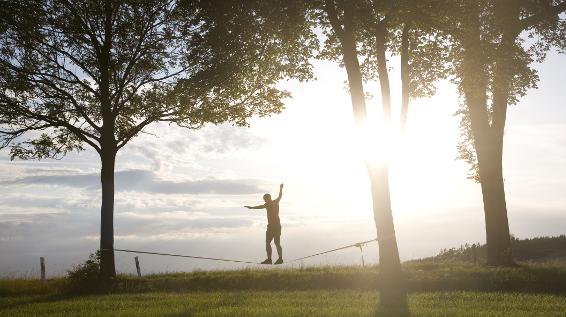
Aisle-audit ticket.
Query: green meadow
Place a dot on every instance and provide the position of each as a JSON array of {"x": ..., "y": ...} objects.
[
  {"x": 283, "y": 303},
  {"x": 435, "y": 289}
]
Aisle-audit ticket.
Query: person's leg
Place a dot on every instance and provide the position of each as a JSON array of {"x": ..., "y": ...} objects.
[
  {"x": 277, "y": 240},
  {"x": 268, "y": 248},
  {"x": 268, "y": 238}
]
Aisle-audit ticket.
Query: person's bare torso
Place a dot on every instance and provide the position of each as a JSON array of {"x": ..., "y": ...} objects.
[{"x": 273, "y": 212}]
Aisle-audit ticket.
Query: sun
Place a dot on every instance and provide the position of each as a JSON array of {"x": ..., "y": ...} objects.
[{"x": 377, "y": 141}]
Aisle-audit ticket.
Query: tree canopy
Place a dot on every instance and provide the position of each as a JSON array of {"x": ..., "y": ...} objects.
[{"x": 71, "y": 69}]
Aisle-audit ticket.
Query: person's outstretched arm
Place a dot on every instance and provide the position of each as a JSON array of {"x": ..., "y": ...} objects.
[
  {"x": 280, "y": 193},
  {"x": 255, "y": 207}
]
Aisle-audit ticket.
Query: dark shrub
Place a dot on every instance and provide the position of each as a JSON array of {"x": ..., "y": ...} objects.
[{"x": 85, "y": 277}]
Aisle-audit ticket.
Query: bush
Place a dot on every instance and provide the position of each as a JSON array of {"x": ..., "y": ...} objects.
[{"x": 86, "y": 276}]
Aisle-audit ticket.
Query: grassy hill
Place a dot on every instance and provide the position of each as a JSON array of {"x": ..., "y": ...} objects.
[{"x": 324, "y": 303}]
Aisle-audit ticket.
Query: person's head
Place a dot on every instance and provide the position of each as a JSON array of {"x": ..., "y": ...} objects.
[{"x": 267, "y": 198}]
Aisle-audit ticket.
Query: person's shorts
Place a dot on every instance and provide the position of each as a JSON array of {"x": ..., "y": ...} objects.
[{"x": 273, "y": 231}]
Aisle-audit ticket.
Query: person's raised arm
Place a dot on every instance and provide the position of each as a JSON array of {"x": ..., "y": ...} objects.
[
  {"x": 280, "y": 193},
  {"x": 255, "y": 207}
]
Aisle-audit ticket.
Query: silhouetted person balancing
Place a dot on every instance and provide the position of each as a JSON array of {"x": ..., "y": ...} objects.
[{"x": 273, "y": 231}]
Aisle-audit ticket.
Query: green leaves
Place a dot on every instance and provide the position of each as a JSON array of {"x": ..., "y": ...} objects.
[
  {"x": 429, "y": 45},
  {"x": 493, "y": 61},
  {"x": 54, "y": 145},
  {"x": 89, "y": 66}
]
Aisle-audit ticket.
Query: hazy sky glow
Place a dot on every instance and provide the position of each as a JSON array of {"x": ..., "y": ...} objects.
[{"x": 183, "y": 191}]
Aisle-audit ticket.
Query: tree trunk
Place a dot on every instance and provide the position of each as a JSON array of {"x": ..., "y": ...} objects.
[
  {"x": 392, "y": 283},
  {"x": 488, "y": 138},
  {"x": 107, "y": 266},
  {"x": 405, "y": 76},
  {"x": 498, "y": 239},
  {"x": 392, "y": 291},
  {"x": 382, "y": 72},
  {"x": 392, "y": 288},
  {"x": 108, "y": 152}
]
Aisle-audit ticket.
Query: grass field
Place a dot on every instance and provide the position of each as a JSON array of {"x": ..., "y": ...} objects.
[
  {"x": 294, "y": 303},
  {"x": 435, "y": 290}
]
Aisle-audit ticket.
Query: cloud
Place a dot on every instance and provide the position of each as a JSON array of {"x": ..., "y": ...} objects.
[
  {"x": 149, "y": 153},
  {"x": 142, "y": 181},
  {"x": 187, "y": 148}
]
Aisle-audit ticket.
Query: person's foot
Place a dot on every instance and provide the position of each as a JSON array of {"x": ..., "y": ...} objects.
[
  {"x": 279, "y": 261},
  {"x": 267, "y": 261}
]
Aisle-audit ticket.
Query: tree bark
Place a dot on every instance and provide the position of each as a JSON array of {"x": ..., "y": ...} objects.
[
  {"x": 498, "y": 238},
  {"x": 107, "y": 265}
]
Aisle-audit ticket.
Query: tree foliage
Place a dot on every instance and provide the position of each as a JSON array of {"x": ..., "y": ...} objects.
[
  {"x": 428, "y": 44},
  {"x": 537, "y": 29},
  {"x": 69, "y": 70}
]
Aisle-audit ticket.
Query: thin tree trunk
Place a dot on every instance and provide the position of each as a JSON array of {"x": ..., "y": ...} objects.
[
  {"x": 382, "y": 72},
  {"x": 107, "y": 265},
  {"x": 405, "y": 76},
  {"x": 392, "y": 286},
  {"x": 391, "y": 279}
]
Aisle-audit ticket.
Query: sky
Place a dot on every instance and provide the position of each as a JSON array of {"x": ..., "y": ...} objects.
[{"x": 183, "y": 191}]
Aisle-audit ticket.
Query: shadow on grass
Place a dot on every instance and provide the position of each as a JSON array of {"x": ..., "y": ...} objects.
[
  {"x": 38, "y": 300},
  {"x": 393, "y": 302},
  {"x": 399, "y": 311}
]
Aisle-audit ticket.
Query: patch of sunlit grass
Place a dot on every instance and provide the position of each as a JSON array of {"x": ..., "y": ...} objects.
[{"x": 293, "y": 303}]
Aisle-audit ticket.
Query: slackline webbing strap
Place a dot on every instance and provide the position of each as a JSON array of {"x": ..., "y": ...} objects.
[
  {"x": 357, "y": 244},
  {"x": 186, "y": 256}
]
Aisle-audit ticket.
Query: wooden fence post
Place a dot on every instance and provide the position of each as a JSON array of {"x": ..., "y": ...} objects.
[
  {"x": 138, "y": 266},
  {"x": 362, "y": 253},
  {"x": 42, "y": 265},
  {"x": 475, "y": 254}
]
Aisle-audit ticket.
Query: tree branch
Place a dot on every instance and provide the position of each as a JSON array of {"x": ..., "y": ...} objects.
[
  {"x": 534, "y": 19},
  {"x": 134, "y": 131},
  {"x": 81, "y": 134},
  {"x": 333, "y": 18}
]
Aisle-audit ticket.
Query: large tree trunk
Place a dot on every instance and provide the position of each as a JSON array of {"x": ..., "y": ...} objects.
[
  {"x": 498, "y": 239},
  {"x": 108, "y": 152},
  {"x": 488, "y": 138},
  {"x": 107, "y": 265}
]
